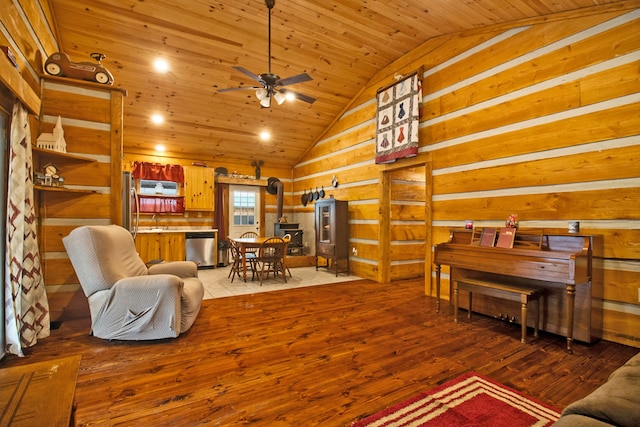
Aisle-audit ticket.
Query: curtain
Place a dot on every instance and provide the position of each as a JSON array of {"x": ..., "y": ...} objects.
[
  {"x": 219, "y": 216},
  {"x": 157, "y": 171},
  {"x": 26, "y": 305},
  {"x": 159, "y": 204}
]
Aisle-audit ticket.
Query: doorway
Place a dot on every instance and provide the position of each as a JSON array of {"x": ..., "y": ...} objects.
[
  {"x": 244, "y": 209},
  {"x": 406, "y": 222}
]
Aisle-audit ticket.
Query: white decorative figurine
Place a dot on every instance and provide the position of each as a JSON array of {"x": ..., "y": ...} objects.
[{"x": 53, "y": 141}]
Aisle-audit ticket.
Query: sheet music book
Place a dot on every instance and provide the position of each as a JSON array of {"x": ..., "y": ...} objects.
[
  {"x": 506, "y": 236},
  {"x": 488, "y": 237}
]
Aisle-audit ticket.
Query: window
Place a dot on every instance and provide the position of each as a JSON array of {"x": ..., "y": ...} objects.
[{"x": 244, "y": 208}]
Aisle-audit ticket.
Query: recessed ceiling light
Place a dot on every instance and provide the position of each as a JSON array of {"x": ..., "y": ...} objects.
[
  {"x": 265, "y": 135},
  {"x": 160, "y": 148},
  {"x": 161, "y": 65},
  {"x": 157, "y": 119}
]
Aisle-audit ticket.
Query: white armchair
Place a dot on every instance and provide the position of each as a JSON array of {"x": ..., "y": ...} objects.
[{"x": 127, "y": 300}]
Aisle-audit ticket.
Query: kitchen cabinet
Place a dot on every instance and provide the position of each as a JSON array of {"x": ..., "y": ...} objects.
[
  {"x": 332, "y": 234},
  {"x": 198, "y": 189},
  {"x": 164, "y": 245}
]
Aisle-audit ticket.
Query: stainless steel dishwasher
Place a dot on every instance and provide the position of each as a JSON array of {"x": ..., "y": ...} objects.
[{"x": 202, "y": 248}]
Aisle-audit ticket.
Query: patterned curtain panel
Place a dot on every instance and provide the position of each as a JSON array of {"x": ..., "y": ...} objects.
[
  {"x": 397, "y": 118},
  {"x": 26, "y": 304},
  {"x": 157, "y": 171}
]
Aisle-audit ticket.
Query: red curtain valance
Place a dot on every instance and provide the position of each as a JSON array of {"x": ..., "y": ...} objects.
[
  {"x": 157, "y": 171},
  {"x": 159, "y": 204}
]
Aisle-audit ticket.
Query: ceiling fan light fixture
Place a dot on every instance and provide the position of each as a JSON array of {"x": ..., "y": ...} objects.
[
  {"x": 266, "y": 102},
  {"x": 272, "y": 82},
  {"x": 261, "y": 93},
  {"x": 280, "y": 98}
]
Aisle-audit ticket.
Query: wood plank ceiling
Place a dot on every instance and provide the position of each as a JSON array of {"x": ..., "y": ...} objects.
[{"x": 340, "y": 43}]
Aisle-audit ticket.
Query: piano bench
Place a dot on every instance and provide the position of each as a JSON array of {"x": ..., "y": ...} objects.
[{"x": 508, "y": 291}]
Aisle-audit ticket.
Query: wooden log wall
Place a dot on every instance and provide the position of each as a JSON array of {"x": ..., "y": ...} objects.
[
  {"x": 92, "y": 121},
  {"x": 538, "y": 118}
]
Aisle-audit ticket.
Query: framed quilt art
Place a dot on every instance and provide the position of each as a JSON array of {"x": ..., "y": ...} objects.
[{"x": 397, "y": 119}]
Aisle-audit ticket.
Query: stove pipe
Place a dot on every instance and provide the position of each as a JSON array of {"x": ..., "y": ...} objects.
[{"x": 274, "y": 186}]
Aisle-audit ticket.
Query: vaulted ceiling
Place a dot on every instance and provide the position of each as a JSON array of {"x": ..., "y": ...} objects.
[{"x": 341, "y": 44}]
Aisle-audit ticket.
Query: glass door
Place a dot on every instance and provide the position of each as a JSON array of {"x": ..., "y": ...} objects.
[
  {"x": 244, "y": 209},
  {"x": 325, "y": 224}
]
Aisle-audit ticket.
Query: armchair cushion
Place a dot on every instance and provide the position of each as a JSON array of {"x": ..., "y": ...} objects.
[
  {"x": 102, "y": 255},
  {"x": 127, "y": 300}
]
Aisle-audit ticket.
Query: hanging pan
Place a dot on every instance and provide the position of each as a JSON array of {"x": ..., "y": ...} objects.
[
  {"x": 316, "y": 195},
  {"x": 304, "y": 199},
  {"x": 322, "y": 192}
]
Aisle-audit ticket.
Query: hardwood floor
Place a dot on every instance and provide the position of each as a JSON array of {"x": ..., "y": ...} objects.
[{"x": 323, "y": 355}]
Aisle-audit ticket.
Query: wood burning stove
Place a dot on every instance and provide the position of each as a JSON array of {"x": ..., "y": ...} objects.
[{"x": 293, "y": 229}]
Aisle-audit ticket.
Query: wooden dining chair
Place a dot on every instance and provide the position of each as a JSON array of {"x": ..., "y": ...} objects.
[
  {"x": 236, "y": 259},
  {"x": 270, "y": 259},
  {"x": 251, "y": 252},
  {"x": 287, "y": 240}
]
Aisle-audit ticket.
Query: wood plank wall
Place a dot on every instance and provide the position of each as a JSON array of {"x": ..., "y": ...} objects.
[
  {"x": 538, "y": 118},
  {"x": 91, "y": 117}
]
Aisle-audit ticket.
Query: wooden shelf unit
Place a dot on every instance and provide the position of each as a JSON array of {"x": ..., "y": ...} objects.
[{"x": 42, "y": 156}]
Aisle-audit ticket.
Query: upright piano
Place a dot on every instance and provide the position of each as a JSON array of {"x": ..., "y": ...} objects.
[{"x": 562, "y": 264}]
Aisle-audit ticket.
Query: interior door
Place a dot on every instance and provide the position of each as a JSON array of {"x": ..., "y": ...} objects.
[{"x": 244, "y": 209}]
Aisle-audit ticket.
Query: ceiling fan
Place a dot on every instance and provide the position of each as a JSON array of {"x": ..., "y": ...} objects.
[{"x": 271, "y": 84}]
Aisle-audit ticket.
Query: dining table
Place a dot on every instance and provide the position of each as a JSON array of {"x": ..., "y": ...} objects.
[{"x": 245, "y": 243}]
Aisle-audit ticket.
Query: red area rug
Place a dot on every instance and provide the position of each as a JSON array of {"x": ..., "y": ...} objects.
[{"x": 469, "y": 400}]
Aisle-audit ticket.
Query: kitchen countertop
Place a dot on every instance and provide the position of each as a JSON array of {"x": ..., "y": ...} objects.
[{"x": 150, "y": 230}]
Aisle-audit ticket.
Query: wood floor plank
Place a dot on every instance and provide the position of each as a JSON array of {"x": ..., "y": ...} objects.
[{"x": 322, "y": 355}]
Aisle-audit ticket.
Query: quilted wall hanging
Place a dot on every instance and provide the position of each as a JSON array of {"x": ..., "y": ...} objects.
[{"x": 397, "y": 119}]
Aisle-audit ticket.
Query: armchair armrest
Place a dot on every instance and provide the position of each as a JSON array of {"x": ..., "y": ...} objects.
[
  {"x": 141, "y": 307},
  {"x": 179, "y": 268}
]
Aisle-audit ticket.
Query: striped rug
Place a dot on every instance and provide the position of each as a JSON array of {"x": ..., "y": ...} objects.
[{"x": 469, "y": 400}]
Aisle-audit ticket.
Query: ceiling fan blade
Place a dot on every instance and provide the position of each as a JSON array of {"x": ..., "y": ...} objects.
[
  {"x": 304, "y": 77},
  {"x": 248, "y": 73},
  {"x": 300, "y": 96},
  {"x": 231, "y": 89}
]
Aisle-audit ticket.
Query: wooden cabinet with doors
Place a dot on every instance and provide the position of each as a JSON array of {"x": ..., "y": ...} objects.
[
  {"x": 198, "y": 189},
  {"x": 332, "y": 234},
  {"x": 166, "y": 246}
]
